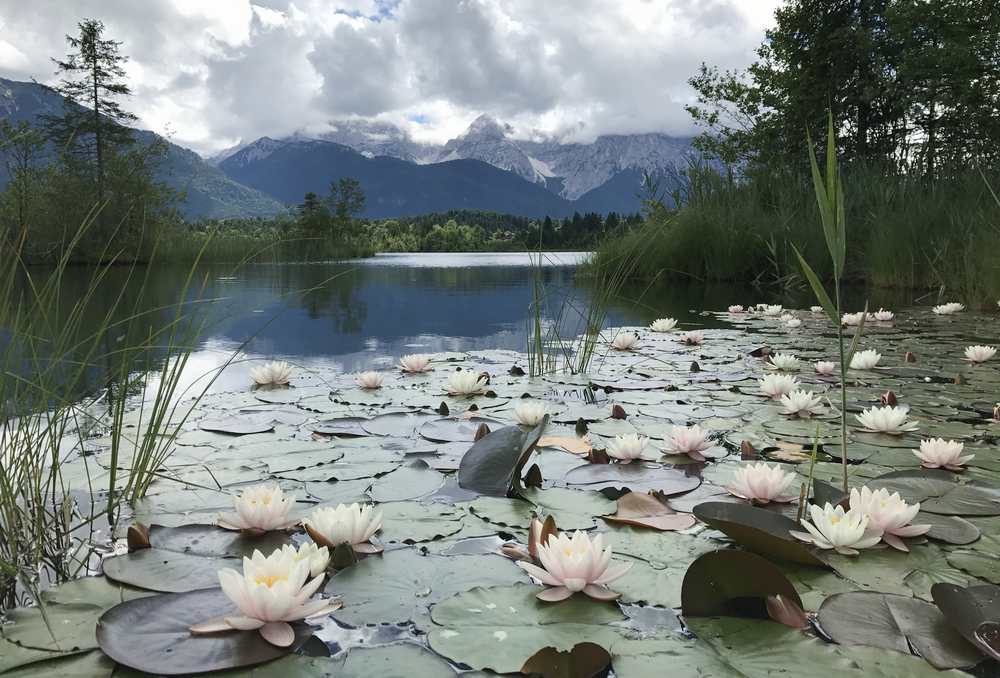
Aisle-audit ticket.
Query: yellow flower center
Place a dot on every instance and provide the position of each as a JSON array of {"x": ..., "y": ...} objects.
[
  {"x": 269, "y": 580},
  {"x": 834, "y": 520}
]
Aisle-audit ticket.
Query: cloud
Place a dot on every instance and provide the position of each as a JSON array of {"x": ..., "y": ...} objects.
[{"x": 232, "y": 70}]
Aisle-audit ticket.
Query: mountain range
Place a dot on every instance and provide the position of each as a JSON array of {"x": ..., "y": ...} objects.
[{"x": 485, "y": 168}]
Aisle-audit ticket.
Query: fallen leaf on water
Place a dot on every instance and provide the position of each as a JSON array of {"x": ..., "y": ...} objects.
[
  {"x": 645, "y": 510},
  {"x": 567, "y": 443}
]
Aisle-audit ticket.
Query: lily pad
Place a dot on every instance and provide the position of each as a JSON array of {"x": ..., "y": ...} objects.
[
  {"x": 634, "y": 477},
  {"x": 733, "y": 584},
  {"x": 758, "y": 529},
  {"x": 166, "y": 571},
  {"x": 898, "y": 623},
  {"x": 969, "y": 610},
  {"x": 407, "y": 482},
  {"x": 210, "y": 540},
  {"x": 152, "y": 634},
  {"x": 493, "y": 464},
  {"x": 456, "y": 429}
]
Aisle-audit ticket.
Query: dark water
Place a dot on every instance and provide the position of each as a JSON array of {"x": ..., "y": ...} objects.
[{"x": 364, "y": 314}]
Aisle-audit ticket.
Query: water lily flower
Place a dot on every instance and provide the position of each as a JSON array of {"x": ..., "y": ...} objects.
[
  {"x": 825, "y": 367},
  {"x": 777, "y": 385},
  {"x": 816, "y": 309},
  {"x": 852, "y": 319},
  {"x": 530, "y": 412},
  {"x": 771, "y": 310},
  {"x": 317, "y": 557},
  {"x": 941, "y": 453},
  {"x": 627, "y": 447},
  {"x": 415, "y": 363},
  {"x": 368, "y": 380},
  {"x": 259, "y": 509},
  {"x": 785, "y": 362},
  {"x": 843, "y": 531},
  {"x": 793, "y": 323},
  {"x": 689, "y": 440},
  {"x": 949, "y": 308},
  {"x": 801, "y": 403},
  {"x": 891, "y": 420},
  {"x": 274, "y": 373},
  {"x": 574, "y": 564},
  {"x": 786, "y": 317},
  {"x": 624, "y": 341},
  {"x": 979, "y": 354},
  {"x": 465, "y": 383},
  {"x": 735, "y": 308},
  {"x": 865, "y": 360},
  {"x": 270, "y": 592},
  {"x": 762, "y": 483},
  {"x": 883, "y": 315},
  {"x": 692, "y": 338},
  {"x": 663, "y": 325},
  {"x": 889, "y": 514},
  {"x": 354, "y": 525}
]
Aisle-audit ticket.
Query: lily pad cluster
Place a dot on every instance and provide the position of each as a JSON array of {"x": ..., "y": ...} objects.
[{"x": 708, "y": 581}]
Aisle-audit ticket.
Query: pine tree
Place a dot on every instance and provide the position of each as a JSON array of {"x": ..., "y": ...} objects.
[{"x": 93, "y": 122}]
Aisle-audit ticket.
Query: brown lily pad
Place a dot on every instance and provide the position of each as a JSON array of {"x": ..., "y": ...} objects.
[{"x": 645, "y": 510}]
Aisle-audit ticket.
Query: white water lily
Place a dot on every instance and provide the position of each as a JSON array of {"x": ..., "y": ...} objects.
[
  {"x": 762, "y": 483},
  {"x": 941, "y": 453},
  {"x": 689, "y": 440},
  {"x": 575, "y": 564},
  {"x": 777, "y": 385},
  {"x": 368, "y": 380},
  {"x": 843, "y": 531},
  {"x": 865, "y": 360},
  {"x": 692, "y": 338},
  {"x": 735, "y": 308},
  {"x": 825, "y": 367},
  {"x": 624, "y": 341},
  {"x": 979, "y": 354},
  {"x": 852, "y": 319},
  {"x": 801, "y": 403},
  {"x": 793, "y": 323},
  {"x": 663, "y": 324},
  {"x": 270, "y": 592},
  {"x": 317, "y": 557},
  {"x": 949, "y": 308},
  {"x": 888, "y": 514},
  {"x": 530, "y": 412},
  {"x": 627, "y": 447},
  {"x": 274, "y": 373},
  {"x": 883, "y": 315},
  {"x": 891, "y": 420},
  {"x": 260, "y": 508},
  {"x": 786, "y": 362},
  {"x": 415, "y": 362},
  {"x": 771, "y": 310},
  {"x": 816, "y": 309},
  {"x": 354, "y": 525},
  {"x": 465, "y": 382}
]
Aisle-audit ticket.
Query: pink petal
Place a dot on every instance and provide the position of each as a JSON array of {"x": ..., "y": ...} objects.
[
  {"x": 538, "y": 573},
  {"x": 217, "y": 625},
  {"x": 554, "y": 594},
  {"x": 244, "y": 623},
  {"x": 895, "y": 542},
  {"x": 912, "y": 530},
  {"x": 278, "y": 633},
  {"x": 600, "y": 592}
]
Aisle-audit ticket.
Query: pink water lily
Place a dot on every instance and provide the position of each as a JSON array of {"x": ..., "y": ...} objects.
[
  {"x": 270, "y": 592},
  {"x": 689, "y": 440},
  {"x": 259, "y": 509},
  {"x": 575, "y": 564},
  {"x": 889, "y": 514}
]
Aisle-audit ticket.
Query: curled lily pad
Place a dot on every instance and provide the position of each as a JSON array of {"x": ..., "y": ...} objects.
[
  {"x": 153, "y": 635},
  {"x": 758, "y": 529},
  {"x": 493, "y": 464},
  {"x": 895, "y": 622},
  {"x": 645, "y": 510},
  {"x": 583, "y": 660},
  {"x": 973, "y": 611},
  {"x": 166, "y": 571},
  {"x": 733, "y": 584}
]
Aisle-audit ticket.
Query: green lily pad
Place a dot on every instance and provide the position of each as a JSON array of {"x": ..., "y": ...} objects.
[
  {"x": 210, "y": 540},
  {"x": 759, "y": 530},
  {"x": 634, "y": 477},
  {"x": 166, "y": 571},
  {"x": 733, "y": 584},
  {"x": 493, "y": 464}
]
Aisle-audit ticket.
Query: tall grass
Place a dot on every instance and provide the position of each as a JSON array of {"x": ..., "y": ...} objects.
[
  {"x": 908, "y": 232},
  {"x": 52, "y": 350}
]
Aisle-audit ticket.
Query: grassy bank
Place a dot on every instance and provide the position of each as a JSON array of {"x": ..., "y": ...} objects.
[{"x": 903, "y": 232}]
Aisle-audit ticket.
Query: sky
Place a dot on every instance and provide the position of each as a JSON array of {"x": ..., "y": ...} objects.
[{"x": 210, "y": 74}]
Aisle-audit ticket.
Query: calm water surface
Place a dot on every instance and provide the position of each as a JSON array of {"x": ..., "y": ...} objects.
[{"x": 365, "y": 313}]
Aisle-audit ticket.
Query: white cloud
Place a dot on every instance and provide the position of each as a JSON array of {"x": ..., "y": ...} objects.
[{"x": 218, "y": 72}]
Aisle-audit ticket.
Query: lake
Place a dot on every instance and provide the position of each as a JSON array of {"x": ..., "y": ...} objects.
[{"x": 365, "y": 313}]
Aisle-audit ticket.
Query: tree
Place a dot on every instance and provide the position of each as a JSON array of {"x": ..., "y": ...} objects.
[
  {"x": 347, "y": 201},
  {"x": 314, "y": 217},
  {"x": 93, "y": 122},
  {"x": 21, "y": 146}
]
